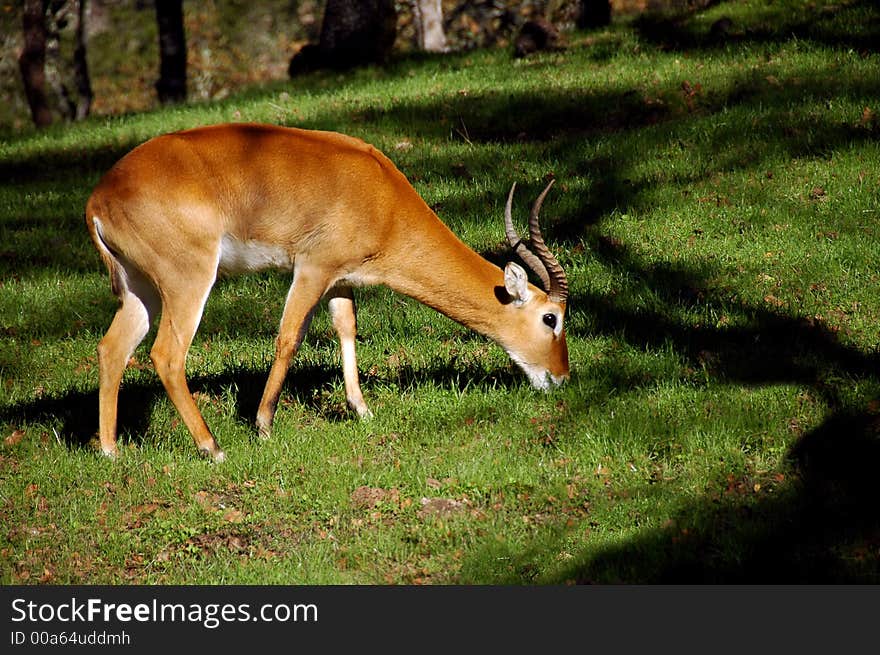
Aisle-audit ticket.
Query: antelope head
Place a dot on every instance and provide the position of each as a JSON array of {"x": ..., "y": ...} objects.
[{"x": 543, "y": 354}]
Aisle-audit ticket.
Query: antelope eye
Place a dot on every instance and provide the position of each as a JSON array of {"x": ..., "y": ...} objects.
[{"x": 550, "y": 321}]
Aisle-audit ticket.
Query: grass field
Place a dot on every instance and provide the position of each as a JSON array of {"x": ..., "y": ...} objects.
[{"x": 716, "y": 209}]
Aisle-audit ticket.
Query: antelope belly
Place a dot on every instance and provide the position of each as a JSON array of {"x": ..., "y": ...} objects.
[{"x": 249, "y": 256}]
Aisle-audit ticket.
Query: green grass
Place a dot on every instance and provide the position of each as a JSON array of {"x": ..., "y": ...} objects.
[{"x": 717, "y": 212}]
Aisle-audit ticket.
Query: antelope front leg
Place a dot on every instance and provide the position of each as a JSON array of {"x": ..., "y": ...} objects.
[
  {"x": 342, "y": 309},
  {"x": 304, "y": 294}
]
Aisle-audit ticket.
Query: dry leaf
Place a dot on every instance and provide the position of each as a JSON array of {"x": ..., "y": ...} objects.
[
  {"x": 14, "y": 438},
  {"x": 233, "y": 515},
  {"x": 207, "y": 501}
]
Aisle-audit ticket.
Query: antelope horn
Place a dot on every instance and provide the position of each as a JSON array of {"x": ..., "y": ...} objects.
[
  {"x": 530, "y": 259},
  {"x": 542, "y": 261},
  {"x": 558, "y": 287}
]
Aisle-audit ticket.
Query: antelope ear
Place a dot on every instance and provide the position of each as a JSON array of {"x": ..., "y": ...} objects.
[{"x": 516, "y": 282}]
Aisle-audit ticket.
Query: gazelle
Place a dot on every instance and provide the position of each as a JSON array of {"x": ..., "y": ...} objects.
[{"x": 181, "y": 208}]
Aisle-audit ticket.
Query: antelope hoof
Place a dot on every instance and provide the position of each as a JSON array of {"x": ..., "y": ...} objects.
[
  {"x": 264, "y": 432},
  {"x": 110, "y": 453},
  {"x": 357, "y": 405},
  {"x": 264, "y": 424},
  {"x": 215, "y": 454}
]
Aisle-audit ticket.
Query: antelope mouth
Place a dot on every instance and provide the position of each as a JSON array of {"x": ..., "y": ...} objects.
[
  {"x": 540, "y": 378},
  {"x": 545, "y": 380}
]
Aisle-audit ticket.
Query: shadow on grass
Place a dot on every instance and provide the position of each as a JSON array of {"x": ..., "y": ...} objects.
[
  {"x": 76, "y": 413},
  {"x": 821, "y": 527},
  {"x": 771, "y": 348},
  {"x": 556, "y": 126},
  {"x": 819, "y": 523},
  {"x": 60, "y": 165},
  {"x": 823, "y": 524},
  {"x": 847, "y": 25}
]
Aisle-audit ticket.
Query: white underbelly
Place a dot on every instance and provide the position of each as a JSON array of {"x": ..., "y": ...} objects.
[{"x": 250, "y": 256}]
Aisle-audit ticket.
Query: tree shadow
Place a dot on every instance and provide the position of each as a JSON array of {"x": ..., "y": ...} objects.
[
  {"x": 75, "y": 414},
  {"x": 554, "y": 126},
  {"x": 823, "y": 527},
  {"x": 771, "y": 348},
  {"x": 60, "y": 164},
  {"x": 851, "y": 25}
]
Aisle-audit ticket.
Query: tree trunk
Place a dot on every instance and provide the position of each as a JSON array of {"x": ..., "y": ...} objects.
[
  {"x": 171, "y": 86},
  {"x": 81, "y": 66},
  {"x": 32, "y": 62},
  {"x": 594, "y": 13},
  {"x": 357, "y": 32},
  {"x": 429, "y": 23},
  {"x": 69, "y": 80}
]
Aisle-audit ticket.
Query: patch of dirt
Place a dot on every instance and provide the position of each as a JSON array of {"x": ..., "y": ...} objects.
[
  {"x": 440, "y": 507},
  {"x": 369, "y": 497}
]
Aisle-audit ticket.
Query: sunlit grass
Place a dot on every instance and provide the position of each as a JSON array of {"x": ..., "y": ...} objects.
[{"x": 715, "y": 208}]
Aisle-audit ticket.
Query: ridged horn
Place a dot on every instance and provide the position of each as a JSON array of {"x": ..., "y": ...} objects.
[
  {"x": 531, "y": 260},
  {"x": 558, "y": 289},
  {"x": 541, "y": 261}
]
